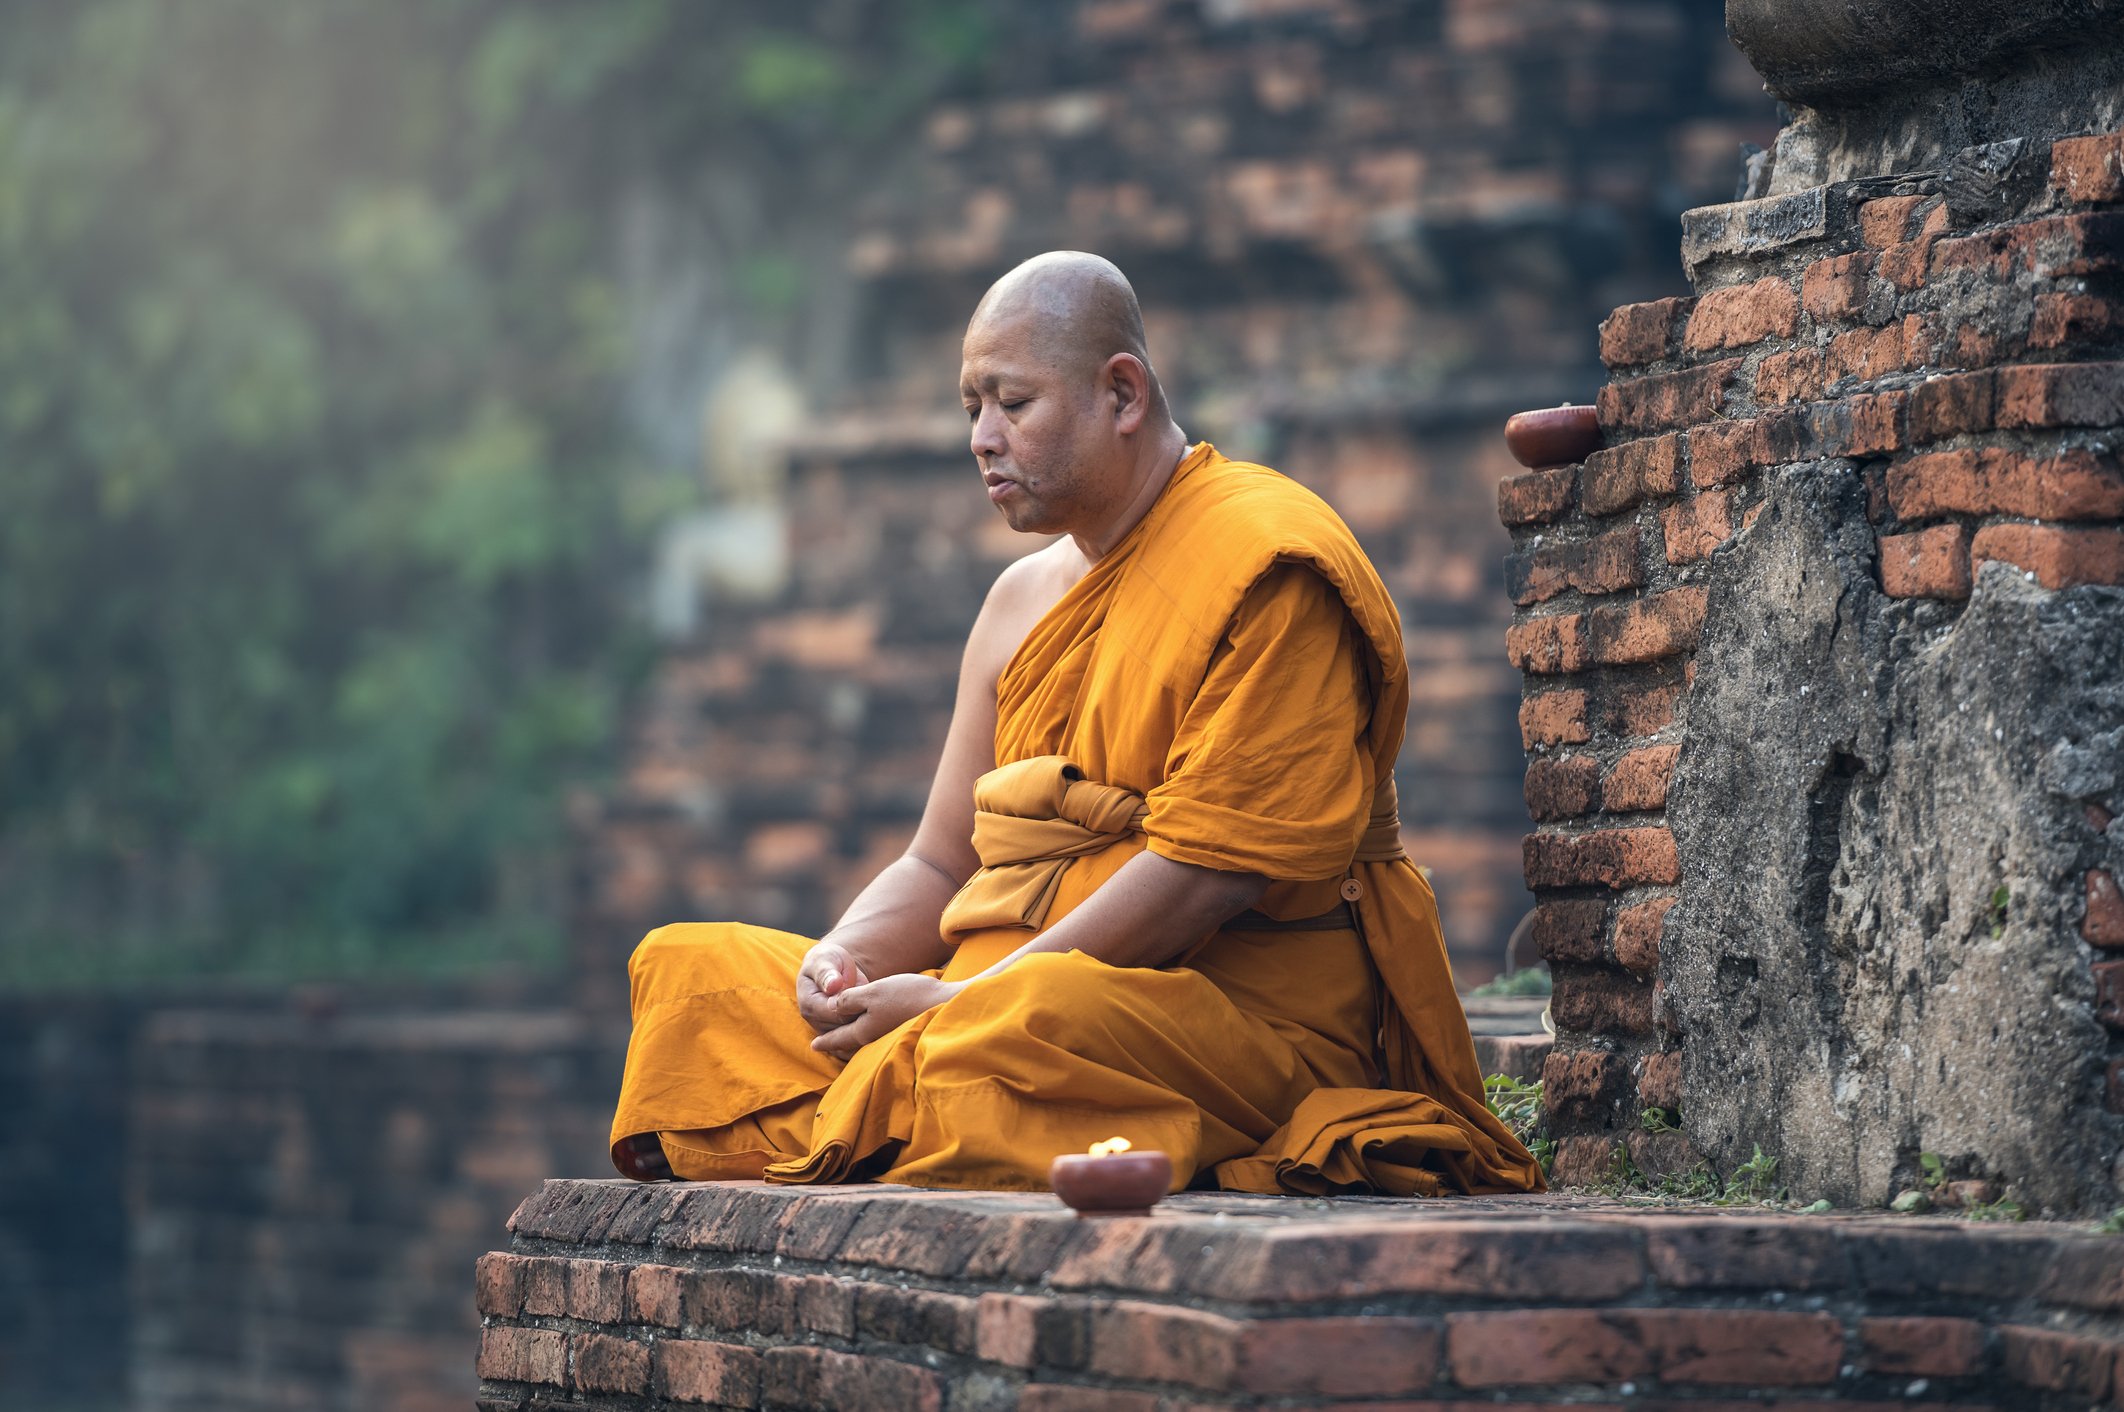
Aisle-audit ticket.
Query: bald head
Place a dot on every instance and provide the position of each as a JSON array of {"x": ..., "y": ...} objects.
[{"x": 1076, "y": 309}]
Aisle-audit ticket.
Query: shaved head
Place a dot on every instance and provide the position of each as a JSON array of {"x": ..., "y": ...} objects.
[{"x": 1078, "y": 308}]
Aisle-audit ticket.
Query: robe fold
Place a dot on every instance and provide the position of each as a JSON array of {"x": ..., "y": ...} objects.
[{"x": 1225, "y": 687}]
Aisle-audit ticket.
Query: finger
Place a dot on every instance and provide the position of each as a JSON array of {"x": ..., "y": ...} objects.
[{"x": 845, "y": 1041}]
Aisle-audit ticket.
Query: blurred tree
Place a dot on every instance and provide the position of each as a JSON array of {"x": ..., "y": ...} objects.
[{"x": 318, "y": 506}]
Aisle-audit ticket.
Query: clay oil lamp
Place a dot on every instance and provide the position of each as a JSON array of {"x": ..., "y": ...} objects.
[
  {"x": 1111, "y": 1180},
  {"x": 1553, "y": 436}
]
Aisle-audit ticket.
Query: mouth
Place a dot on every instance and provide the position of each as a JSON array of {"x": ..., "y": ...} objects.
[{"x": 998, "y": 486}]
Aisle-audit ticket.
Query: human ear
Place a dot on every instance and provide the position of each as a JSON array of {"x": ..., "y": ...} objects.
[{"x": 1129, "y": 381}]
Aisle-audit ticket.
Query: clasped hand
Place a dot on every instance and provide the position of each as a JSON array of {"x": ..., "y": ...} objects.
[{"x": 849, "y": 1010}]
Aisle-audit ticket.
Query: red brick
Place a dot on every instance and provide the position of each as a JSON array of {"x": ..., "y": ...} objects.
[
  {"x": 603, "y": 1363},
  {"x": 653, "y": 1296},
  {"x": 2088, "y": 169},
  {"x": 499, "y": 1278},
  {"x": 1537, "y": 496},
  {"x": 1562, "y": 788},
  {"x": 1906, "y": 264},
  {"x": 1724, "y": 452},
  {"x": 2056, "y": 1362},
  {"x": 1885, "y": 220},
  {"x": 1741, "y": 315},
  {"x": 2061, "y": 395},
  {"x": 1952, "y": 404},
  {"x": 1785, "y": 378},
  {"x": 1553, "y": 718},
  {"x": 728, "y": 1300},
  {"x": 1659, "y": 1081},
  {"x": 1655, "y": 627},
  {"x": 1641, "y": 333},
  {"x": 546, "y": 1286},
  {"x": 1370, "y": 1356},
  {"x": 1731, "y": 1252},
  {"x": 1581, "y": 1161},
  {"x": 1666, "y": 401},
  {"x": 1931, "y": 563},
  {"x": 1605, "y": 563},
  {"x": 847, "y": 1382},
  {"x": 597, "y": 1291},
  {"x": 2114, "y": 1100},
  {"x": 1868, "y": 425},
  {"x": 1645, "y": 711},
  {"x": 822, "y": 1304},
  {"x": 509, "y": 1355},
  {"x": 1865, "y": 354},
  {"x": 1005, "y": 1328},
  {"x": 1162, "y": 1343},
  {"x": 1602, "y": 1003},
  {"x": 919, "y": 1318},
  {"x": 1529, "y": 1347},
  {"x": 1585, "y": 1085},
  {"x": 1059, "y": 1397},
  {"x": 1639, "y": 780},
  {"x": 1544, "y": 646},
  {"x": 1620, "y": 476},
  {"x": 1923, "y": 1346},
  {"x": 2089, "y": 243},
  {"x": 692, "y": 1370},
  {"x": 1570, "y": 931},
  {"x": 2109, "y": 993},
  {"x": 1637, "y": 931},
  {"x": 1603, "y": 858},
  {"x": 2059, "y": 558},
  {"x": 2103, "y": 923},
  {"x": 1834, "y": 290},
  {"x": 1696, "y": 527},
  {"x": 2064, "y": 319},
  {"x": 1743, "y": 1347},
  {"x": 1993, "y": 480}
]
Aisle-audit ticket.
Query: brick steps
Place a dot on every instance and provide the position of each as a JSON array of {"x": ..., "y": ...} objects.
[{"x": 620, "y": 1296}]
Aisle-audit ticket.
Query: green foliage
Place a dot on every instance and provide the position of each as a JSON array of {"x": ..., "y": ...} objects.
[
  {"x": 1517, "y": 1104},
  {"x": 317, "y": 516},
  {"x": 1531, "y": 980},
  {"x": 2113, "y": 1223},
  {"x": 1658, "y": 1120},
  {"x": 1995, "y": 909}
]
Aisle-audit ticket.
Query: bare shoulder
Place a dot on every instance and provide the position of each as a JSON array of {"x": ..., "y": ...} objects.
[{"x": 1019, "y": 598}]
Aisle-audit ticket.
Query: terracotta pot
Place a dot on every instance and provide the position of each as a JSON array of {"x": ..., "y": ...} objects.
[
  {"x": 1122, "y": 1184},
  {"x": 1553, "y": 436}
]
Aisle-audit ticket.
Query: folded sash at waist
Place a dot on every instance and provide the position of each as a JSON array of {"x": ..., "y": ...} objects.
[{"x": 1031, "y": 819}]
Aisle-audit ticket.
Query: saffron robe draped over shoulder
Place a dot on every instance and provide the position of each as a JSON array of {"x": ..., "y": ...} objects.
[{"x": 1227, "y": 688}]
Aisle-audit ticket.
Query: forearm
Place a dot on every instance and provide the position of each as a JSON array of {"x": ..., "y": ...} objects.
[
  {"x": 1146, "y": 914},
  {"x": 891, "y": 927}
]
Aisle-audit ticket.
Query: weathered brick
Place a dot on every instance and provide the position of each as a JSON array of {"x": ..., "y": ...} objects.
[
  {"x": 1605, "y": 563},
  {"x": 602, "y": 1363},
  {"x": 846, "y": 1382},
  {"x": 2085, "y": 243},
  {"x": 1950, "y": 405},
  {"x": 919, "y": 1317},
  {"x": 1906, "y": 264},
  {"x": 1537, "y": 1347},
  {"x": 1547, "y": 645},
  {"x": 1639, "y": 780},
  {"x": 1603, "y": 858},
  {"x": 1584, "y": 1085},
  {"x": 1637, "y": 334},
  {"x": 1536, "y": 497},
  {"x": 2102, "y": 924},
  {"x": 1724, "y": 452},
  {"x": 1885, "y": 220},
  {"x": 1602, "y": 1003},
  {"x": 1743, "y": 1347},
  {"x": 1570, "y": 931},
  {"x": 1371, "y": 1356},
  {"x": 1869, "y": 425},
  {"x": 1553, "y": 718},
  {"x": 1921, "y": 1346},
  {"x": 2061, "y": 395},
  {"x": 653, "y": 1296},
  {"x": 2088, "y": 169},
  {"x": 1641, "y": 711},
  {"x": 1620, "y": 476},
  {"x": 597, "y": 1291},
  {"x": 1666, "y": 401},
  {"x": 1930, "y": 563},
  {"x": 509, "y": 1355},
  {"x": 2059, "y": 558},
  {"x": 1637, "y": 932},
  {"x": 545, "y": 1280},
  {"x": 1833, "y": 291},
  {"x": 499, "y": 1280},
  {"x": 1026, "y": 1331},
  {"x": 1062, "y": 1397},
  {"x": 1562, "y": 788},
  {"x": 1582, "y": 1160},
  {"x": 1659, "y": 1081},
  {"x": 1865, "y": 354},
  {"x": 1995, "y": 480},
  {"x": 2109, "y": 993},
  {"x": 1742, "y": 314},
  {"x": 1792, "y": 376},
  {"x": 2056, "y": 1362},
  {"x": 2065, "y": 319},
  {"x": 2113, "y": 1098},
  {"x": 694, "y": 1370},
  {"x": 1740, "y": 1253},
  {"x": 820, "y": 1304},
  {"x": 1658, "y": 626},
  {"x": 1162, "y": 1343},
  {"x": 728, "y": 1300},
  {"x": 1697, "y": 526}
]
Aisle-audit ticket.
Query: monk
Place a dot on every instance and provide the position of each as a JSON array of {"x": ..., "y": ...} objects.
[{"x": 1158, "y": 890}]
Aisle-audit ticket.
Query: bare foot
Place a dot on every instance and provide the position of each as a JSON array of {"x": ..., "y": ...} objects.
[{"x": 643, "y": 1158}]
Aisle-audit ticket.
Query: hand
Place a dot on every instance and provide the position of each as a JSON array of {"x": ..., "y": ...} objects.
[
  {"x": 884, "y": 1006},
  {"x": 828, "y": 973}
]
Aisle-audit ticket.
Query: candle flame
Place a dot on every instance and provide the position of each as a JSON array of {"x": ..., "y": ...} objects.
[{"x": 1111, "y": 1147}]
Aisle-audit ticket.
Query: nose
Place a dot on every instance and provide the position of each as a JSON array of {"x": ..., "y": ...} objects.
[{"x": 988, "y": 426}]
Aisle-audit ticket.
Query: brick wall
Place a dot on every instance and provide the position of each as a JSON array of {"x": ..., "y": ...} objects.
[
  {"x": 622, "y": 1297},
  {"x": 1843, "y": 584}
]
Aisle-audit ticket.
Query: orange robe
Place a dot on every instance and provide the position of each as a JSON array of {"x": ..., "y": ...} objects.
[{"x": 1226, "y": 687}]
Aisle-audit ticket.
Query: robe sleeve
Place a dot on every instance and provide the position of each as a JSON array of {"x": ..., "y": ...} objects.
[{"x": 1269, "y": 772}]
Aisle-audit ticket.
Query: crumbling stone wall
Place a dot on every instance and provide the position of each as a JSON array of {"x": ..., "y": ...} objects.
[{"x": 1824, "y": 658}]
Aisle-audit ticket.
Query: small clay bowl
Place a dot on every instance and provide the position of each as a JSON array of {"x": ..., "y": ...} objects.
[
  {"x": 1122, "y": 1184},
  {"x": 1553, "y": 436}
]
